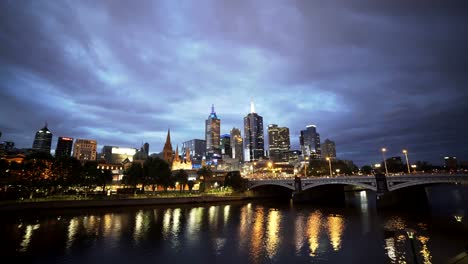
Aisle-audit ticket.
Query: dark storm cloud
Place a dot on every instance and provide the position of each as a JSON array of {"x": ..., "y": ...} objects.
[{"x": 367, "y": 73}]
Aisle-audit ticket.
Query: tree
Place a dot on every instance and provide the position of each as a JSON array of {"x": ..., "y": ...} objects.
[
  {"x": 204, "y": 174},
  {"x": 133, "y": 176},
  {"x": 182, "y": 177},
  {"x": 66, "y": 171},
  {"x": 366, "y": 169},
  {"x": 34, "y": 172},
  {"x": 157, "y": 171},
  {"x": 233, "y": 179},
  {"x": 104, "y": 177}
]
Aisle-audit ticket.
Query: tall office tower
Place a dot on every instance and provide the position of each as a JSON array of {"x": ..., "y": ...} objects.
[
  {"x": 236, "y": 144},
  {"x": 328, "y": 149},
  {"x": 254, "y": 147},
  {"x": 226, "y": 145},
  {"x": 167, "y": 150},
  {"x": 212, "y": 134},
  {"x": 310, "y": 142},
  {"x": 85, "y": 150},
  {"x": 64, "y": 147},
  {"x": 42, "y": 140},
  {"x": 278, "y": 142},
  {"x": 196, "y": 148},
  {"x": 146, "y": 148},
  {"x": 106, "y": 153}
]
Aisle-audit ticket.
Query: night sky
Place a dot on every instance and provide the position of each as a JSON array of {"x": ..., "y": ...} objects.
[{"x": 368, "y": 73}]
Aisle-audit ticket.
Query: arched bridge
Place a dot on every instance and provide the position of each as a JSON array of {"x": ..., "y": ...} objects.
[{"x": 374, "y": 183}]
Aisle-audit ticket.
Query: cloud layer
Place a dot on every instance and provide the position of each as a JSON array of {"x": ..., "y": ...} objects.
[{"x": 367, "y": 73}]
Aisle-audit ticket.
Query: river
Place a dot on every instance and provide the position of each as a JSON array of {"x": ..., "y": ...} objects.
[{"x": 258, "y": 231}]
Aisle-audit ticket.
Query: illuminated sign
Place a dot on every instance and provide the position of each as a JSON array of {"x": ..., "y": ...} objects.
[{"x": 67, "y": 138}]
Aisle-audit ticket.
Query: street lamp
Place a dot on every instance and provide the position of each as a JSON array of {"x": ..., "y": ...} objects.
[
  {"x": 414, "y": 166},
  {"x": 458, "y": 218},
  {"x": 384, "y": 160},
  {"x": 305, "y": 167},
  {"x": 337, "y": 172},
  {"x": 329, "y": 165},
  {"x": 407, "y": 162},
  {"x": 253, "y": 168},
  {"x": 410, "y": 233}
]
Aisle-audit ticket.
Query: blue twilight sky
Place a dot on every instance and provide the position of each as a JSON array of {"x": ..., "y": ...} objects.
[{"x": 367, "y": 73}]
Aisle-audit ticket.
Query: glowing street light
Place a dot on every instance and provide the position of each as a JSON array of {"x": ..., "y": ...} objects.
[
  {"x": 458, "y": 218},
  {"x": 407, "y": 162},
  {"x": 384, "y": 160},
  {"x": 329, "y": 165},
  {"x": 337, "y": 172},
  {"x": 305, "y": 166}
]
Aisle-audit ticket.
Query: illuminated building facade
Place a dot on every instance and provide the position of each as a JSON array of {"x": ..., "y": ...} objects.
[
  {"x": 212, "y": 134},
  {"x": 236, "y": 144},
  {"x": 64, "y": 147},
  {"x": 85, "y": 150},
  {"x": 328, "y": 149},
  {"x": 182, "y": 164},
  {"x": 254, "y": 146},
  {"x": 42, "y": 140},
  {"x": 310, "y": 142},
  {"x": 118, "y": 154},
  {"x": 278, "y": 143}
]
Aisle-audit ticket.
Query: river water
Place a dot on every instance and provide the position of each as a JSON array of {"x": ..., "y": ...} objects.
[{"x": 242, "y": 232}]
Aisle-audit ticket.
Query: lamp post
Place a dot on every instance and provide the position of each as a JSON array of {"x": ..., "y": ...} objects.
[
  {"x": 407, "y": 162},
  {"x": 329, "y": 165},
  {"x": 410, "y": 233},
  {"x": 384, "y": 160},
  {"x": 305, "y": 166},
  {"x": 337, "y": 172},
  {"x": 253, "y": 167}
]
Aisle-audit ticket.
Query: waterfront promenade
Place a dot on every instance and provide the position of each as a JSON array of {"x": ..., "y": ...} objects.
[{"x": 109, "y": 201}]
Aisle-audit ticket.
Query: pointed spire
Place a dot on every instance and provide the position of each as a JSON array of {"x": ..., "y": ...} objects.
[
  {"x": 252, "y": 106},
  {"x": 168, "y": 138},
  {"x": 45, "y": 124},
  {"x": 212, "y": 109},
  {"x": 187, "y": 155}
]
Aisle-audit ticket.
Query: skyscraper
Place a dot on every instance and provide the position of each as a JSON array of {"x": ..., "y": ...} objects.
[
  {"x": 310, "y": 142},
  {"x": 196, "y": 148},
  {"x": 236, "y": 144},
  {"x": 85, "y": 150},
  {"x": 64, "y": 147},
  {"x": 43, "y": 140},
  {"x": 328, "y": 149},
  {"x": 226, "y": 145},
  {"x": 212, "y": 134},
  {"x": 278, "y": 142},
  {"x": 254, "y": 147}
]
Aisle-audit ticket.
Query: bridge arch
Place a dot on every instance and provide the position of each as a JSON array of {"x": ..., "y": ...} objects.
[
  {"x": 357, "y": 184},
  {"x": 263, "y": 184},
  {"x": 418, "y": 183}
]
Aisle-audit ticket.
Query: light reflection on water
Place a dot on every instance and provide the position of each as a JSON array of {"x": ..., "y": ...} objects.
[{"x": 255, "y": 232}]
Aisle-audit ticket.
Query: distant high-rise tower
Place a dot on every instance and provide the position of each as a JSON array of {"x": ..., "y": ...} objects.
[
  {"x": 226, "y": 145},
  {"x": 43, "y": 140},
  {"x": 278, "y": 142},
  {"x": 254, "y": 146},
  {"x": 236, "y": 144},
  {"x": 212, "y": 134},
  {"x": 146, "y": 148},
  {"x": 85, "y": 150},
  {"x": 310, "y": 142},
  {"x": 196, "y": 148},
  {"x": 167, "y": 151},
  {"x": 64, "y": 147},
  {"x": 328, "y": 149}
]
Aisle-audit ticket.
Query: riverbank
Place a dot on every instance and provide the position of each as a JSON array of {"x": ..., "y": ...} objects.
[{"x": 92, "y": 203}]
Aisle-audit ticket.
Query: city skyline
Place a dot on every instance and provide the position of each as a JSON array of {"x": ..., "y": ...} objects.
[{"x": 123, "y": 75}]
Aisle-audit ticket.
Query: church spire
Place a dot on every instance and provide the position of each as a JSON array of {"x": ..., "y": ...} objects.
[{"x": 167, "y": 151}]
